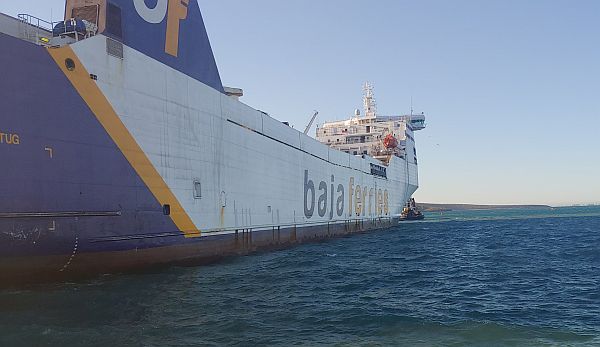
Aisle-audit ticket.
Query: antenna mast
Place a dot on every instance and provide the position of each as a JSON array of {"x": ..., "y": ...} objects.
[{"x": 369, "y": 101}]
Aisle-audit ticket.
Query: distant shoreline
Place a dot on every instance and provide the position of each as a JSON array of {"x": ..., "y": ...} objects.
[{"x": 428, "y": 207}]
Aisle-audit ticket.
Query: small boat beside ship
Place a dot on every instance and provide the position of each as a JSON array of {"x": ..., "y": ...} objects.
[{"x": 411, "y": 212}]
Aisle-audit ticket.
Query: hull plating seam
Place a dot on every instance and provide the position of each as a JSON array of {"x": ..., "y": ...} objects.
[
  {"x": 251, "y": 229},
  {"x": 60, "y": 214}
]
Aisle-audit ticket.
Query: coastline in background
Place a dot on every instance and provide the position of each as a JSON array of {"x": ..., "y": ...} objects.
[{"x": 429, "y": 207}]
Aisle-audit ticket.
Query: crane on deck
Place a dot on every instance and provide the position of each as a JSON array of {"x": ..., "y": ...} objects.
[{"x": 310, "y": 124}]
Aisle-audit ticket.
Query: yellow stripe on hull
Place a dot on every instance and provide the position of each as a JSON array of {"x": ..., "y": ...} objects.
[{"x": 106, "y": 115}]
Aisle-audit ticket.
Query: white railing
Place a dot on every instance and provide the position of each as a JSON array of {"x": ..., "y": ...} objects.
[
  {"x": 34, "y": 29},
  {"x": 41, "y": 32}
]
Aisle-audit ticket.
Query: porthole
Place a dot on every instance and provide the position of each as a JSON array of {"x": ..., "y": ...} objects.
[{"x": 70, "y": 64}]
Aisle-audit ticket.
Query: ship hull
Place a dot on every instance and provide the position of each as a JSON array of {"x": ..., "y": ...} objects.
[{"x": 121, "y": 164}]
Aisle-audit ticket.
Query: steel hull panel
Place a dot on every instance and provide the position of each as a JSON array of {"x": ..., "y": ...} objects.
[{"x": 15, "y": 271}]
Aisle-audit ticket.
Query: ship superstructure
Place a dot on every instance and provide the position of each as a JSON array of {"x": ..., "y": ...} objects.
[
  {"x": 124, "y": 150},
  {"x": 380, "y": 137}
]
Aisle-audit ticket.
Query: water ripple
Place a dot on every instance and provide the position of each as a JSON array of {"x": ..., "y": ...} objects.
[{"x": 478, "y": 278}]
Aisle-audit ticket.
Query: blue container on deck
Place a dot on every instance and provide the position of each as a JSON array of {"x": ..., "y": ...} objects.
[{"x": 69, "y": 26}]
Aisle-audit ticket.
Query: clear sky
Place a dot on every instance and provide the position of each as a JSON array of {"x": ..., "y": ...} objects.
[{"x": 510, "y": 87}]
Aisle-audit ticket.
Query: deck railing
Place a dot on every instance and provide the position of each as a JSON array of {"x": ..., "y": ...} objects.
[{"x": 34, "y": 29}]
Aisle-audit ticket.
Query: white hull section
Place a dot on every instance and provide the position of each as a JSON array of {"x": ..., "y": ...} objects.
[{"x": 254, "y": 171}]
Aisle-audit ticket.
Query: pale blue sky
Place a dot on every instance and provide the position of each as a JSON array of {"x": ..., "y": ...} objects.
[{"x": 510, "y": 87}]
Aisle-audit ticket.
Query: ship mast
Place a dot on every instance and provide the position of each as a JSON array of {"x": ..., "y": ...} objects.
[{"x": 369, "y": 101}]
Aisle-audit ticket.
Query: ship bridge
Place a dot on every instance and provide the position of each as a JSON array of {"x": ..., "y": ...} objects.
[{"x": 417, "y": 122}]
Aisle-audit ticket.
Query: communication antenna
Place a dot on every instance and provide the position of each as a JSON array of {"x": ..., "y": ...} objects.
[{"x": 312, "y": 120}]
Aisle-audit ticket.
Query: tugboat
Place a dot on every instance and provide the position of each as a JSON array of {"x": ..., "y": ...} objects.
[{"x": 411, "y": 212}]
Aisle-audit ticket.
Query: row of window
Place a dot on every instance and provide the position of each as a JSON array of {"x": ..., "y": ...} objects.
[
  {"x": 355, "y": 152},
  {"x": 353, "y": 130},
  {"x": 362, "y": 139}
]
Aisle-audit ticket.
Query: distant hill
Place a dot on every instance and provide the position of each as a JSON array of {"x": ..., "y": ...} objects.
[{"x": 427, "y": 207}]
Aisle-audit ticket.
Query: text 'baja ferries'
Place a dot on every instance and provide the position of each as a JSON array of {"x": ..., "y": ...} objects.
[{"x": 329, "y": 198}]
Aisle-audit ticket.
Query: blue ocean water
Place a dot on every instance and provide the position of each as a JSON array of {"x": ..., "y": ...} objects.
[{"x": 476, "y": 278}]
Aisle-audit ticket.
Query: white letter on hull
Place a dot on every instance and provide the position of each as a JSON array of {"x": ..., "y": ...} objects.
[{"x": 152, "y": 15}]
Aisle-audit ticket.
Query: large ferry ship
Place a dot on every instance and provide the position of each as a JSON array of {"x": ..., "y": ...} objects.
[{"x": 123, "y": 150}]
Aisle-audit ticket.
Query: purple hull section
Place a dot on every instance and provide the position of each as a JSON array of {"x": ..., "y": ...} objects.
[{"x": 66, "y": 179}]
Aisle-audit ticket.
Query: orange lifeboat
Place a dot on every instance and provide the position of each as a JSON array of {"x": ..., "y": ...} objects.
[{"x": 390, "y": 142}]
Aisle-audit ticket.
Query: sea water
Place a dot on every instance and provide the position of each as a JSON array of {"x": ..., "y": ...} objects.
[{"x": 475, "y": 278}]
